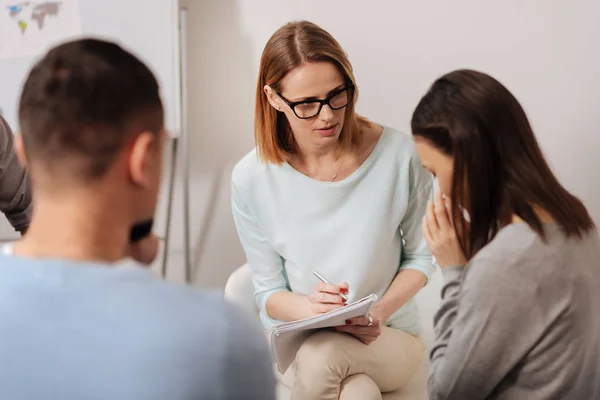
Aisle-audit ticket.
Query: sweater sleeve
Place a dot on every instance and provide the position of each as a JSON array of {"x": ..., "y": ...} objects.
[
  {"x": 415, "y": 252},
  {"x": 479, "y": 335},
  {"x": 15, "y": 187},
  {"x": 265, "y": 264}
]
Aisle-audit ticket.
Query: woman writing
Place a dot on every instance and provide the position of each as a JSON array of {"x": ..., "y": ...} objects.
[
  {"x": 329, "y": 191},
  {"x": 519, "y": 316}
]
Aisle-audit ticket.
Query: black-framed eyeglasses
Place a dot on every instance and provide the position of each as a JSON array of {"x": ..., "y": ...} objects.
[{"x": 307, "y": 109}]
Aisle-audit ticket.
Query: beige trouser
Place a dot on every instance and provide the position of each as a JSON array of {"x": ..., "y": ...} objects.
[{"x": 333, "y": 365}]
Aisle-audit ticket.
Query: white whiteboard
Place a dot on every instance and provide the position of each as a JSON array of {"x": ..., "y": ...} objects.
[{"x": 147, "y": 28}]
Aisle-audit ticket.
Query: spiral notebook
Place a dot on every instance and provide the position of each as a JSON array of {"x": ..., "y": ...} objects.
[{"x": 286, "y": 338}]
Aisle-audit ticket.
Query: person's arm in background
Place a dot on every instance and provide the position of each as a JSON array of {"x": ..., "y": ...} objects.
[
  {"x": 15, "y": 188},
  {"x": 273, "y": 297},
  {"x": 143, "y": 244},
  {"x": 144, "y": 250},
  {"x": 416, "y": 266}
]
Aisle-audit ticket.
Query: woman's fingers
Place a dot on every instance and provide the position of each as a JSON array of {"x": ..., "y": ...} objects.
[
  {"x": 344, "y": 287},
  {"x": 432, "y": 222},
  {"x": 440, "y": 233},
  {"x": 322, "y": 308},
  {"x": 364, "y": 321},
  {"x": 326, "y": 298},
  {"x": 448, "y": 204},
  {"x": 366, "y": 339},
  {"x": 436, "y": 223},
  {"x": 359, "y": 328},
  {"x": 441, "y": 213},
  {"x": 331, "y": 288},
  {"x": 373, "y": 331},
  {"x": 426, "y": 233}
]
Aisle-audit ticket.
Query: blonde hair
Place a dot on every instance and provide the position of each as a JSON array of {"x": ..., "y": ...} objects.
[{"x": 292, "y": 45}]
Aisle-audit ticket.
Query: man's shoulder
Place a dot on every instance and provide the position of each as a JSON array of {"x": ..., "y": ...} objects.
[
  {"x": 183, "y": 334},
  {"x": 199, "y": 306},
  {"x": 202, "y": 313},
  {"x": 202, "y": 326},
  {"x": 209, "y": 307},
  {"x": 218, "y": 333},
  {"x": 132, "y": 294}
]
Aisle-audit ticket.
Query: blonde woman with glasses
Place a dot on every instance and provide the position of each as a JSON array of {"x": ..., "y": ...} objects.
[{"x": 327, "y": 190}]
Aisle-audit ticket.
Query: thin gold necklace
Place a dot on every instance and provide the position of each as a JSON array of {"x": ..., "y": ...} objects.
[
  {"x": 339, "y": 166},
  {"x": 339, "y": 162}
]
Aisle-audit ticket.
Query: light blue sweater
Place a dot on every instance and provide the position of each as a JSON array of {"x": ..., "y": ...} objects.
[
  {"x": 74, "y": 331},
  {"x": 361, "y": 230}
]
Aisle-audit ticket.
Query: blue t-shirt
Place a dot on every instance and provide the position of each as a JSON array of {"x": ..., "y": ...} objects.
[{"x": 76, "y": 331}]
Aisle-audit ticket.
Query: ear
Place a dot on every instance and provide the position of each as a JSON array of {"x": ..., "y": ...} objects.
[
  {"x": 272, "y": 97},
  {"x": 141, "y": 158},
  {"x": 20, "y": 151}
]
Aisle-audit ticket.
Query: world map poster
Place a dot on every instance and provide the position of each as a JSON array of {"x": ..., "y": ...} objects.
[{"x": 28, "y": 28}]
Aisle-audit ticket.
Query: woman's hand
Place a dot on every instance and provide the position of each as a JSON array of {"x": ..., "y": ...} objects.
[
  {"x": 326, "y": 297},
  {"x": 145, "y": 250},
  {"x": 439, "y": 232},
  {"x": 366, "y": 329}
]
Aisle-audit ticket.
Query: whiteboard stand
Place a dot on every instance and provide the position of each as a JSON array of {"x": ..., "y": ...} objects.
[
  {"x": 185, "y": 142},
  {"x": 184, "y": 148},
  {"x": 173, "y": 141}
]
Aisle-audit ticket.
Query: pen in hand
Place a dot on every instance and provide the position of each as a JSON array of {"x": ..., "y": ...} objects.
[{"x": 322, "y": 279}]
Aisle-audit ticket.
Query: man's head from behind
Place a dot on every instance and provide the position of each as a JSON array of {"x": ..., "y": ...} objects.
[{"x": 92, "y": 120}]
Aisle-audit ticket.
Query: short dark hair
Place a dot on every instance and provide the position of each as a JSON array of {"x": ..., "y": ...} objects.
[
  {"x": 499, "y": 168},
  {"x": 86, "y": 98}
]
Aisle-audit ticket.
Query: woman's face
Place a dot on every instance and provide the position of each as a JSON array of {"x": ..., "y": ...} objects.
[
  {"x": 313, "y": 81},
  {"x": 438, "y": 163}
]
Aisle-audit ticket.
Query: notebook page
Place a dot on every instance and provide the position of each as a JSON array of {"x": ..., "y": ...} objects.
[
  {"x": 333, "y": 318},
  {"x": 287, "y": 338}
]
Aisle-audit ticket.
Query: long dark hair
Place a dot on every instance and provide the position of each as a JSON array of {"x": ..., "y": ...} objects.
[{"x": 499, "y": 169}]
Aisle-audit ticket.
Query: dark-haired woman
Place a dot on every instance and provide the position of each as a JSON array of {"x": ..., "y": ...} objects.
[{"x": 520, "y": 255}]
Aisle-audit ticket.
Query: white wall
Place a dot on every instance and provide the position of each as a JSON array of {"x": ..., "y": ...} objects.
[{"x": 545, "y": 51}]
